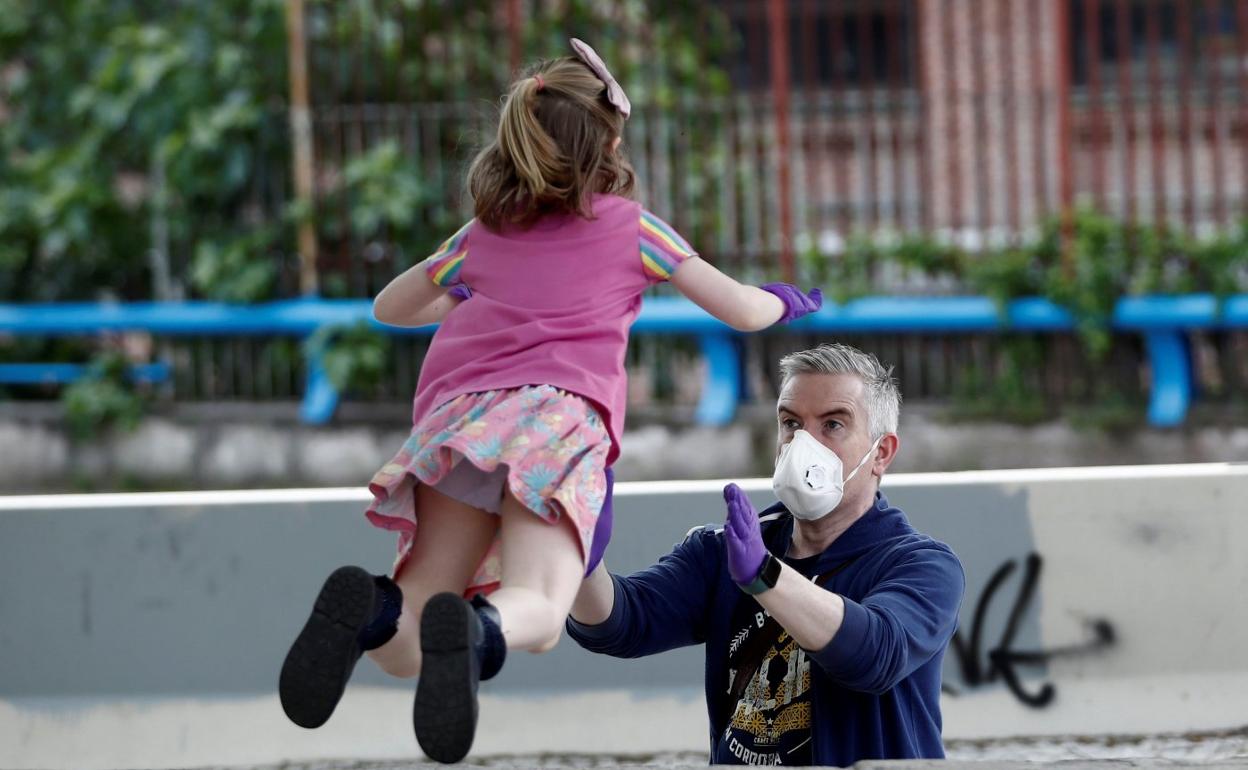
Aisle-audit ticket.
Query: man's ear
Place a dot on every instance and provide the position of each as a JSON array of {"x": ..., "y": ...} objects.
[{"x": 885, "y": 453}]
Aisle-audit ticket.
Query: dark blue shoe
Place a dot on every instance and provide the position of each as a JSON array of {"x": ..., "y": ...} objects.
[
  {"x": 460, "y": 646},
  {"x": 324, "y": 654}
]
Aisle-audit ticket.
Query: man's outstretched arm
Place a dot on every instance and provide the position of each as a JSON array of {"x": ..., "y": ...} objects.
[
  {"x": 659, "y": 608},
  {"x": 596, "y": 598}
]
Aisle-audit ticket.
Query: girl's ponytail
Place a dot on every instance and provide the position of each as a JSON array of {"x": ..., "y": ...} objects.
[
  {"x": 523, "y": 141},
  {"x": 555, "y": 147}
]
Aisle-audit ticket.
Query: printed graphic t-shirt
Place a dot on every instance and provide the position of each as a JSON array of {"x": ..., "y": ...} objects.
[{"x": 770, "y": 724}]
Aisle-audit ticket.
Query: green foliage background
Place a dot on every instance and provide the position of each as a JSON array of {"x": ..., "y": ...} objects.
[
  {"x": 103, "y": 98},
  {"x": 131, "y": 125},
  {"x": 118, "y": 114}
]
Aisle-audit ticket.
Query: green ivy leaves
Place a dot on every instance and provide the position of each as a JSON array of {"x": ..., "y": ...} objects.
[{"x": 1104, "y": 260}]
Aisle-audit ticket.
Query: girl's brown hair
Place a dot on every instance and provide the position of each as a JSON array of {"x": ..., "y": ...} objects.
[{"x": 554, "y": 149}]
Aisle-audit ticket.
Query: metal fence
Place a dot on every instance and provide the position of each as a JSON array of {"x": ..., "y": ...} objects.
[
  {"x": 771, "y": 130},
  {"x": 1018, "y": 377},
  {"x": 972, "y": 120}
]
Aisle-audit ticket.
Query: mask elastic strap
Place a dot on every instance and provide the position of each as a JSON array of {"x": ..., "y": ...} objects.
[{"x": 865, "y": 457}]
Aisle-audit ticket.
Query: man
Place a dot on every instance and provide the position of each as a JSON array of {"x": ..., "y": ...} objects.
[{"x": 833, "y": 575}]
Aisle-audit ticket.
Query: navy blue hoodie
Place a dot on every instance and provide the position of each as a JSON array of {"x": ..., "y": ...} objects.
[{"x": 875, "y": 688}]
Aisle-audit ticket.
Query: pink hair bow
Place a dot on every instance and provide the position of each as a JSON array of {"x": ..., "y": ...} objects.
[{"x": 615, "y": 94}]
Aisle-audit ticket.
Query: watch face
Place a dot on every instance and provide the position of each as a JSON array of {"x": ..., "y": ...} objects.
[{"x": 771, "y": 571}]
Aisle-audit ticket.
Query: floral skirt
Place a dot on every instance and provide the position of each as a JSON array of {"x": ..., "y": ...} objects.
[{"x": 548, "y": 445}]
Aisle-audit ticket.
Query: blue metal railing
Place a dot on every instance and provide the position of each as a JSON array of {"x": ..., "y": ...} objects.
[
  {"x": 61, "y": 373},
  {"x": 1163, "y": 321}
]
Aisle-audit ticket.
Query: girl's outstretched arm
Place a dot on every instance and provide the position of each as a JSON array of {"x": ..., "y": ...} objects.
[
  {"x": 413, "y": 299},
  {"x": 743, "y": 307},
  {"x": 419, "y": 295}
]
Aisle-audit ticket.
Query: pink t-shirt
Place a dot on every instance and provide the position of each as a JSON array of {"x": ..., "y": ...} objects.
[{"x": 550, "y": 305}]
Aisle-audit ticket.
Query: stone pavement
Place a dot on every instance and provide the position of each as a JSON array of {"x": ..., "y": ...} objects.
[
  {"x": 933, "y": 764},
  {"x": 1207, "y": 751}
]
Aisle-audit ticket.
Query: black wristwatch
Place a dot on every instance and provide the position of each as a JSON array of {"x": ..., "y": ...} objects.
[{"x": 766, "y": 579}]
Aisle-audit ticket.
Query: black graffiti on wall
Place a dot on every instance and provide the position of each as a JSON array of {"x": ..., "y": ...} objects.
[{"x": 982, "y": 667}]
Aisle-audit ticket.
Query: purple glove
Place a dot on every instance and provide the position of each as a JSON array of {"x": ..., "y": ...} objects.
[
  {"x": 602, "y": 530},
  {"x": 796, "y": 304},
  {"x": 743, "y": 539},
  {"x": 460, "y": 291}
]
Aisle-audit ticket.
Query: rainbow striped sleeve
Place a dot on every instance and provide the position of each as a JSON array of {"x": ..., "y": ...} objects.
[
  {"x": 443, "y": 265},
  {"x": 662, "y": 248}
]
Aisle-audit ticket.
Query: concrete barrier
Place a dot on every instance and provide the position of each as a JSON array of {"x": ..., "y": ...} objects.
[{"x": 146, "y": 630}]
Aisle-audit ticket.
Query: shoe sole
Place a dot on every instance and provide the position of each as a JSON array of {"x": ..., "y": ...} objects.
[
  {"x": 320, "y": 661},
  {"x": 445, "y": 712}
]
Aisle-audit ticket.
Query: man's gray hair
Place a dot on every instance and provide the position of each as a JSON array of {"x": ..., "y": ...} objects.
[{"x": 883, "y": 399}]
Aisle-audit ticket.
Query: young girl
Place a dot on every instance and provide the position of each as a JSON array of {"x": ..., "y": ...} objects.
[{"x": 518, "y": 410}]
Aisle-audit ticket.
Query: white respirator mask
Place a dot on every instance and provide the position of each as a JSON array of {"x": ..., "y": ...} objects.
[{"x": 808, "y": 476}]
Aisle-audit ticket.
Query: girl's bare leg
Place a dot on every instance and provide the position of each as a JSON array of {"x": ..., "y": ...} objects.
[
  {"x": 542, "y": 571},
  {"x": 451, "y": 539},
  {"x": 542, "y": 566}
]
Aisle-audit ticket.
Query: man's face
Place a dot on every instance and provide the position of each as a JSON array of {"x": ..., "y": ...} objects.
[{"x": 831, "y": 408}]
